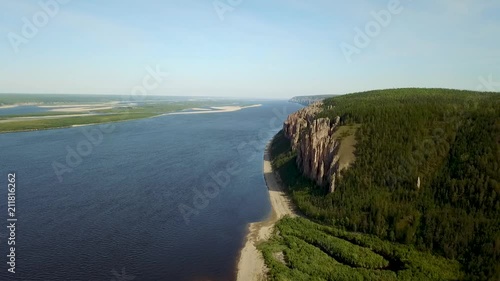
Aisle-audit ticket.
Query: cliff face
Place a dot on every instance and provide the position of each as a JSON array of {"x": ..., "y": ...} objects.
[{"x": 317, "y": 149}]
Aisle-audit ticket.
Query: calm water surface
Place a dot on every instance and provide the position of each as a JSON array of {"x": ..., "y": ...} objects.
[
  {"x": 23, "y": 109},
  {"x": 117, "y": 215}
]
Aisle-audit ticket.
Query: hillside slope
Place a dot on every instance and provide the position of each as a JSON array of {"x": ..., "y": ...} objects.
[{"x": 426, "y": 170}]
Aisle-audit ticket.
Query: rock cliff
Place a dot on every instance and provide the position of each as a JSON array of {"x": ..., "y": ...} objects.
[{"x": 317, "y": 149}]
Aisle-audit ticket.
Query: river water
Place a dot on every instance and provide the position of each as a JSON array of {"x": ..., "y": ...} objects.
[{"x": 164, "y": 198}]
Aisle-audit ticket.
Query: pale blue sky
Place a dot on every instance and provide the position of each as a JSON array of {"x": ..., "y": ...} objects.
[{"x": 262, "y": 48}]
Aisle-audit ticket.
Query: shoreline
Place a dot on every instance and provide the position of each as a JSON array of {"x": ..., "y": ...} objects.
[
  {"x": 213, "y": 110},
  {"x": 251, "y": 266}
]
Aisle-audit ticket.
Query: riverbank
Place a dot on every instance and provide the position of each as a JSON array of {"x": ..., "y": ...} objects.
[
  {"x": 214, "y": 109},
  {"x": 56, "y": 119},
  {"x": 251, "y": 264}
]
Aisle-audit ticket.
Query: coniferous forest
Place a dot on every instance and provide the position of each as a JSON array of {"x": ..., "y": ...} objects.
[{"x": 426, "y": 174}]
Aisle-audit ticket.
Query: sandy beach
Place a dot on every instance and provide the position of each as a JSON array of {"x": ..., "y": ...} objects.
[
  {"x": 213, "y": 109},
  {"x": 31, "y": 118},
  {"x": 80, "y": 107},
  {"x": 8, "y": 106},
  {"x": 251, "y": 264}
]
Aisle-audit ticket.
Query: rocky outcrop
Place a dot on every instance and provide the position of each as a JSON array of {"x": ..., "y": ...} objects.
[
  {"x": 308, "y": 100},
  {"x": 317, "y": 149}
]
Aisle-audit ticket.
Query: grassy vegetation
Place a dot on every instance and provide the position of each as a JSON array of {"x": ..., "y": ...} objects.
[
  {"x": 311, "y": 251},
  {"x": 155, "y": 108},
  {"x": 449, "y": 139},
  {"x": 347, "y": 137},
  {"x": 42, "y": 124},
  {"x": 36, "y": 114},
  {"x": 112, "y": 115},
  {"x": 121, "y": 113}
]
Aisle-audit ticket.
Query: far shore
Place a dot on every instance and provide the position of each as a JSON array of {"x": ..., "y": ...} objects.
[
  {"x": 65, "y": 107},
  {"x": 8, "y": 106},
  {"x": 213, "y": 109},
  {"x": 80, "y": 107},
  {"x": 251, "y": 266},
  {"x": 78, "y": 111},
  {"x": 18, "y": 104}
]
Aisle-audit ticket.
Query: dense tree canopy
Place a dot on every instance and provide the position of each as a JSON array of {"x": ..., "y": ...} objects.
[{"x": 427, "y": 173}]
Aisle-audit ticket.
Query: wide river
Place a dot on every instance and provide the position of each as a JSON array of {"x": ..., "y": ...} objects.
[{"x": 164, "y": 198}]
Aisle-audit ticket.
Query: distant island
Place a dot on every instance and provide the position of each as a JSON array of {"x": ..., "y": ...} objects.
[
  {"x": 29, "y": 112},
  {"x": 400, "y": 184}
]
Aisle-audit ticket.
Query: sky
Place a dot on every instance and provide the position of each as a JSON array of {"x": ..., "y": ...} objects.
[{"x": 247, "y": 48}]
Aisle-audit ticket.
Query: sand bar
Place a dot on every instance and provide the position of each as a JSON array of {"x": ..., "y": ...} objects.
[
  {"x": 214, "y": 109},
  {"x": 31, "y": 118}
]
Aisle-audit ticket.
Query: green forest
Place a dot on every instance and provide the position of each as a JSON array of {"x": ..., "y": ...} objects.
[
  {"x": 304, "y": 250},
  {"x": 426, "y": 174}
]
